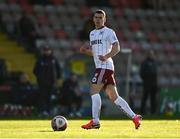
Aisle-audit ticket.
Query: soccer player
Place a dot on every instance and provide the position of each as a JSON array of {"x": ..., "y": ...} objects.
[{"x": 103, "y": 46}]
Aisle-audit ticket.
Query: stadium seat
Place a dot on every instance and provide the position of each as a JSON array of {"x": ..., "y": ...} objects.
[
  {"x": 145, "y": 45},
  {"x": 134, "y": 25},
  {"x": 129, "y": 14},
  {"x": 139, "y": 36},
  {"x": 2, "y": 1},
  {"x": 61, "y": 34},
  {"x": 137, "y": 28},
  {"x": 64, "y": 43},
  {"x": 118, "y": 13},
  {"x": 169, "y": 48},
  {"x": 51, "y": 41},
  {"x": 162, "y": 36},
  {"x": 24, "y": 2},
  {"x": 6, "y": 18},
  {"x": 136, "y": 48},
  {"x": 123, "y": 24},
  {"x": 79, "y": 2},
  {"x": 53, "y": 19},
  {"x": 42, "y": 20},
  {"x": 72, "y": 10},
  {"x": 68, "y": 2},
  {"x": 4, "y": 7},
  {"x": 16, "y": 17},
  {"x": 38, "y": 10},
  {"x": 152, "y": 36},
  {"x": 145, "y": 25},
  {"x": 139, "y": 57},
  {"x": 156, "y": 46},
  {"x": 46, "y": 31},
  {"x": 156, "y": 25},
  {"x": 60, "y": 10},
  {"x": 27, "y": 8},
  {"x": 40, "y": 42},
  {"x": 14, "y": 8},
  {"x": 135, "y": 4},
  {"x": 76, "y": 44},
  {"x": 115, "y": 3},
  {"x": 49, "y": 10},
  {"x": 177, "y": 46},
  {"x": 164, "y": 80},
  {"x": 57, "y": 2},
  {"x": 76, "y": 20},
  {"x": 140, "y": 13},
  {"x": 128, "y": 35},
  {"x": 120, "y": 35},
  {"x": 85, "y": 11},
  {"x": 66, "y": 21}
]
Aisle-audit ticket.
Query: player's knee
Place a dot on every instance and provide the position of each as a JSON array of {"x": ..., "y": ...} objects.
[{"x": 112, "y": 96}]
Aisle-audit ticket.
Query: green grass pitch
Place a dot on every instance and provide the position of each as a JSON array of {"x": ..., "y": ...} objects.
[{"x": 109, "y": 129}]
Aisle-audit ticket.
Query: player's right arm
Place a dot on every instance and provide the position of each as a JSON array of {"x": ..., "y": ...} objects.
[{"x": 86, "y": 50}]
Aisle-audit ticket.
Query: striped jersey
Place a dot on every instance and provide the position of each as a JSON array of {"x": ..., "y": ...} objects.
[{"x": 101, "y": 41}]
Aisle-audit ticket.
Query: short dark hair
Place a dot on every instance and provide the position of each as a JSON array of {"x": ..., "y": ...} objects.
[{"x": 99, "y": 11}]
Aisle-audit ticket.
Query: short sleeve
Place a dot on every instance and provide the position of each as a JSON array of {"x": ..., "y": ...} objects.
[
  {"x": 112, "y": 37},
  {"x": 90, "y": 38}
]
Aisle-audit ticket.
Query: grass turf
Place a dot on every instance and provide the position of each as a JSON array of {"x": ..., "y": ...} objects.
[{"x": 109, "y": 129}]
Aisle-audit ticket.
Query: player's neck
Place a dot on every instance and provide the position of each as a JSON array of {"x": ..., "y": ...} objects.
[{"x": 97, "y": 28}]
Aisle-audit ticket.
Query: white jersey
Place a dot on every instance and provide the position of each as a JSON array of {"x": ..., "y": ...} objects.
[{"x": 101, "y": 41}]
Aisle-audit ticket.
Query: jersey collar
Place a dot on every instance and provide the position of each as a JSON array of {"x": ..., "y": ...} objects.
[{"x": 100, "y": 28}]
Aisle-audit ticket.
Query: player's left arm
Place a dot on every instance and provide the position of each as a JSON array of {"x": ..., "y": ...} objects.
[
  {"x": 115, "y": 50},
  {"x": 86, "y": 50}
]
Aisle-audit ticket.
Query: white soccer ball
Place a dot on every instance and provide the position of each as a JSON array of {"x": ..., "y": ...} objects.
[{"x": 59, "y": 123}]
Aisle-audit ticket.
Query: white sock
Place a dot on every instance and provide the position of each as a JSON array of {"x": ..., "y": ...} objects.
[
  {"x": 96, "y": 107},
  {"x": 123, "y": 105}
]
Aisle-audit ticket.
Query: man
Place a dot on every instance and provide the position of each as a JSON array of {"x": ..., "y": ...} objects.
[
  {"x": 148, "y": 73},
  {"x": 104, "y": 45},
  {"x": 27, "y": 31},
  {"x": 47, "y": 71},
  {"x": 71, "y": 96},
  {"x": 24, "y": 91}
]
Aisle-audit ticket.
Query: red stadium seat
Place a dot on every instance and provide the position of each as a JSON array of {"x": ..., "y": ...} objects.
[
  {"x": 27, "y": 8},
  {"x": 23, "y": 2},
  {"x": 42, "y": 20},
  {"x": 57, "y": 2},
  {"x": 118, "y": 13},
  {"x": 85, "y": 11},
  {"x": 114, "y": 3},
  {"x": 60, "y": 34},
  {"x": 120, "y": 35},
  {"x": 135, "y": 4},
  {"x": 134, "y": 25},
  {"x": 152, "y": 36},
  {"x": 12, "y": 1}
]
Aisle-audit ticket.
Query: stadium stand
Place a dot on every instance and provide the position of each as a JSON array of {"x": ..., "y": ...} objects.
[
  {"x": 139, "y": 26},
  {"x": 15, "y": 57}
]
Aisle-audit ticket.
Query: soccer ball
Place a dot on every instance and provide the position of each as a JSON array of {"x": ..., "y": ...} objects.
[{"x": 59, "y": 123}]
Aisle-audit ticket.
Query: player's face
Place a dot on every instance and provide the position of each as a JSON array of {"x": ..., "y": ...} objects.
[{"x": 99, "y": 20}]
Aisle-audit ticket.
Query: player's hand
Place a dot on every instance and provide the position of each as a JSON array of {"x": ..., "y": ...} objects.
[
  {"x": 82, "y": 50},
  {"x": 102, "y": 58}
]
